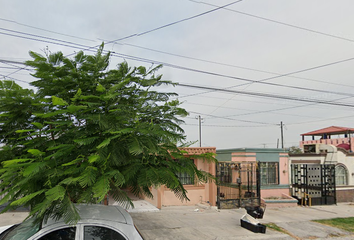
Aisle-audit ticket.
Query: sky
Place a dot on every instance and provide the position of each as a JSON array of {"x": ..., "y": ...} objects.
[{"x": 243, "y": 66}]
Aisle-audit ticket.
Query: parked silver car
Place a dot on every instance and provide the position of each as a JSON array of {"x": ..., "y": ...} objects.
[{"x": 98, "y": 222}]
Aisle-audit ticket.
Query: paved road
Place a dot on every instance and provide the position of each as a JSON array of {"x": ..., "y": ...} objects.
[
  {"x": 195, "y": 222},
  {"x": 188, "y": 223}
]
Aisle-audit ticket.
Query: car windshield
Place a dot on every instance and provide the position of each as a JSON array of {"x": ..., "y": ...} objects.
[{"x": 23, "y": 231}]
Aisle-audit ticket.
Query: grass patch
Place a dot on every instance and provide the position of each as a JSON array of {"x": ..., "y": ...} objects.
[
  {"x": 346, "y": 224},
  {"x": 276, "y": 227}
]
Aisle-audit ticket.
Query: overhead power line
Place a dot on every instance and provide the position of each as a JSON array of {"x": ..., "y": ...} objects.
[
  {"x": 14, "y": 79},
  {"x": 47, "y": 38},
  {"x": 233, "y": 119},
  {"x": 259, "y": 94},
  {"x": 322, "y": 120},
  {"x": 124, "y": 56},
  {"x": 46, "y": 30},
  {"x": 165, "y": 26},
  {"x": 278, "y": 22},
  {"x": 250, "y": 112},
  {"x": 10, "y": 61},
  {"x": 231, "y": 65},
  {"x": 282, "y": 75},
  {"x": 174, "y": 23},
  {"x": 225, "y": 126}
]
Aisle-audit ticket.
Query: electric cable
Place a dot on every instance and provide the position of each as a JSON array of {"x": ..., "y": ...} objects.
[
  {"x": 250, "y": 113},
  {"x": 14, "y": 79},
  {"x": 322, "y": 120},
  {"x": 229, "y": 65},
  {"x": 213, "y": 89},
  {"x": 278, "y": 22},
  {"x": 82, "y": 47},
  {"x": 46, "y": 30},
  {"x": 173, "y": 23},
  {"x": 233, "y": 119},
  {"x": 267, "y": 95}
]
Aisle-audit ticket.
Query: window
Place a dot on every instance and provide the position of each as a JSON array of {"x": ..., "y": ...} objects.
[
  {"x": 341, "y": 175},
  {"x": 185, "y": 179},
  {"x": 269, "y": 173},
  {"x": 101, "y": 233},
  {"x": 61, "y": 234}
]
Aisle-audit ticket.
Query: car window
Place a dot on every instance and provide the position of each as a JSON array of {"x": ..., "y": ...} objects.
[
  {"x": 101, "y": 233},
  {"x": 61, "y": 234},
  {"x": 22, "y": 231}
]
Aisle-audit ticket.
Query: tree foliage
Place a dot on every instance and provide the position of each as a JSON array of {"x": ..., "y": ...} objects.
[
  {"x": 88, "y": 131},
  {"x": 295, "y": 150}
]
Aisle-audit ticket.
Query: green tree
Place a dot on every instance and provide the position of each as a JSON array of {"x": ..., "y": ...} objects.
[
  {"x": 295, "y": 150},
  {"x": 86, "y": 132}
]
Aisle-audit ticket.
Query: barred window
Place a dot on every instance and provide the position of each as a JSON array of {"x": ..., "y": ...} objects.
[
  {"x": 341, "y": 175},
  {"x": 185, "y": 179},
  {"x": 269, "y": 173}
]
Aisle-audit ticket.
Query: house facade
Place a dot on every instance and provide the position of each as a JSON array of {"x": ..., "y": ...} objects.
[
  {"x": 273, "y": 167},
  {"x": 330, "y": 146},
  {"x": 198, "y": 193}
]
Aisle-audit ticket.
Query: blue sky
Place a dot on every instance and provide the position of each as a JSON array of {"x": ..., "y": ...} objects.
[{"x": 229, "y": 48}]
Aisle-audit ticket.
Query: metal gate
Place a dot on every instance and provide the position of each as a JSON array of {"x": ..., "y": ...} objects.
[
  {"x": 238, "y": 184},
  {"x": 315, "y": 182}
]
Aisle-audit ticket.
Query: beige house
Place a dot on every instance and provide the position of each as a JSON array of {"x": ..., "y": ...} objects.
[{"x": 332, "y": 146}]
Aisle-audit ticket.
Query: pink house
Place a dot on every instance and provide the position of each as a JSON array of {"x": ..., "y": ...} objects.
[
  {"x": 197, "y": 192},
  {"x": 273, "y": 164}
]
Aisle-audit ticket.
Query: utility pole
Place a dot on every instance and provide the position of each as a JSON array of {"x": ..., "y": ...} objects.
[
  {"x": 200, "y": 129},
  {"x": 282, "y": 135}
]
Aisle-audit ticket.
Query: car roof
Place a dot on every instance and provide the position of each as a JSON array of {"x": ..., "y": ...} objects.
[{"x": 98, "y": 212}]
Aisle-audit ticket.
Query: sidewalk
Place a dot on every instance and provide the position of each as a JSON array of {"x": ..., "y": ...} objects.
[{"x": 11, "y": 218}]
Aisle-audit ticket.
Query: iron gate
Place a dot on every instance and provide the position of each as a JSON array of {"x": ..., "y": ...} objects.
[
  {"x": 315, "y": 181},
  {"x": 238, "y": 184}
]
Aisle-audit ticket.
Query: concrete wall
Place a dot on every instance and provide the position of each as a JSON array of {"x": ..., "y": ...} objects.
[
  {"x": 197, "y": 193},
  {"x": 155, "y": 200},
  {"x": 334, "y": 141},
  {"x": 284, "y": 201},
  {"x": 276, "y": 192},
  {"x": 345, "y": 194},
  {"x": 284, "y": 169}
]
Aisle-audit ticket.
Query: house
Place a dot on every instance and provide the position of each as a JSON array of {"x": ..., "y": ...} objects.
[
  {"x": 326, "y": 165},
  {"x": 197, "y": 192},
  {"x": 272, "y": 165}
]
